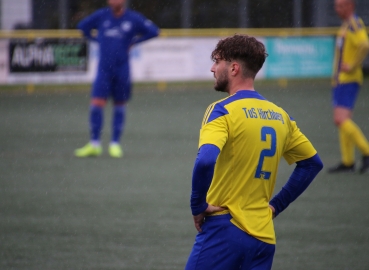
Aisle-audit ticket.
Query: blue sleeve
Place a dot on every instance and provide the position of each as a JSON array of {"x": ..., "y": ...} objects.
[
  {"x": 146, "y": 29},
  {"x": 203, "y": 172},
  {"x": 88, "y": 24},
  {"x": 302, "y": 176}
]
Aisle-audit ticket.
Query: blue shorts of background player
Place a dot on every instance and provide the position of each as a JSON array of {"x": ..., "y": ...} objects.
[
  {"x": 114, "y": 83},
  {"x": 228, "y": 247},
  {"x": 344, "y": 95}
]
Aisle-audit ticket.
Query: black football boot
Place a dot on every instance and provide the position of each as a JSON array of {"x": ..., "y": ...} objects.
[{"x": 341, "y": 168}]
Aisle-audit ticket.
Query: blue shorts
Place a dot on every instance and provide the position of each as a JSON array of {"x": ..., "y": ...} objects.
[
  {"x": 221, "y": 245},
  {"x": 344, "y": 95},
  {"x": 113, "y": 82}
]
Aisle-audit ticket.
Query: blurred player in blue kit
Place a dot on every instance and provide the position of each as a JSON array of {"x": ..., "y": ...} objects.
[
  {"x": 242, "y": 140},
  {"x": 118, "y": 29}
]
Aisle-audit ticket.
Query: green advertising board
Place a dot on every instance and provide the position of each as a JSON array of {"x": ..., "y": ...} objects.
[{"x": 297, "y": 57}]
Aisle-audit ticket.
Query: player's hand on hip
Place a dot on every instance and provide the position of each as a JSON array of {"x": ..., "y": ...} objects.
[
  {"x": 345, "y": 67},
  {"x": 199, "y": 219},
  {"x": 273, "y": 210},
  {"x": 212, "y": 209}
]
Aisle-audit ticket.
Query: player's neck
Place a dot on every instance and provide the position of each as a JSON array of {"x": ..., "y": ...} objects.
[
  {"x": 236, "y": 86},
  {"x": 118, "y": 12},
  {"x": 349, "y": 16}
]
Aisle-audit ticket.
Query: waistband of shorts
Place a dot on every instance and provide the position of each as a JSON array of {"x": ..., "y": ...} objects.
[{"x": 217, "y": 217}]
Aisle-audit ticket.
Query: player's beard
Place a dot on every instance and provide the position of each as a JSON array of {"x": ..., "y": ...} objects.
[{"x": 222, "y": 83}]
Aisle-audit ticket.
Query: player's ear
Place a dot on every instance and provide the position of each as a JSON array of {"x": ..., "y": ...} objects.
[{"x": 235, "y": 68}]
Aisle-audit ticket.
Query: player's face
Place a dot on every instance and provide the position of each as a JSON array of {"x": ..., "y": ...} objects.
[
  {"x": 220, "y": 70},
  {"x": 343, "y": 8},
  {"x": 116, "y": 4}
]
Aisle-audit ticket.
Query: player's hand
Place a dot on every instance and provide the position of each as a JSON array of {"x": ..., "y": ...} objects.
[
  {"x": 345, "y": 67},
  {"x": 273, "y": 210},
  {"x": 199, "y": 219}
]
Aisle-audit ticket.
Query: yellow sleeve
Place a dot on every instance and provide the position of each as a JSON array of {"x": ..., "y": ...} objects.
[
  {"x": 362, "y": 48},
  {"x": 361, "y": 37},
  {"x": 298, "y": 147},
  {"x": 359, "y": 31},
  {"x": 207, "y": 114},
  {"x": 214, "y": 132},
  {"x": 361, "y": 42}
]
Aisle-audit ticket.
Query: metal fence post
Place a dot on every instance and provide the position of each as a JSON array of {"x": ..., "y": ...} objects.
[
  {"x": 243, "y": 13},
  {"x": 320, "y": 13},
  {"x": 297, "y": 13},
  {"x": 63, "y": 14},
  {"x": 186, "y": 16}
]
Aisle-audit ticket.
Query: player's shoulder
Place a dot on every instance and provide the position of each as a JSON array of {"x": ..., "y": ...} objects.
[
  {"x": 355, "y": 24},
  {"x": 103, "y": 11},
  {"x": 290, "y": 121},
  {"x": 100, "y": 13},
  {"x": 288, "y": 116},
  {"x": 135, "y": 15},
  {"x": 225, "y": 106},
  {"x": 215, "y": 110},
  {"x": 281, "y": 112}
]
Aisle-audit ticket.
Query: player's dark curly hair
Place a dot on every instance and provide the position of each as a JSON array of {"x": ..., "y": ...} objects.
[{"x": 247, "y": 50}]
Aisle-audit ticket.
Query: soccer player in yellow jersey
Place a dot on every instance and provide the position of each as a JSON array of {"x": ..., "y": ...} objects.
[
  {"x": 351, "y": 48},
  {"x": 242, "y": 140}
]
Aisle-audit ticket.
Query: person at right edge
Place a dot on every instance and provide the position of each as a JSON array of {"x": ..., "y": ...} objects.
[{"x": 352, "y": 47}]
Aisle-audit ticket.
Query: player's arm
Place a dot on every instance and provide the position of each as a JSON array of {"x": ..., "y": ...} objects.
[
  {"x": 146, "y": 30},
  {"x": 302, "y": 176},
  {"x": 202, "y": 175},
  {"x": 88, "y": 24},
  {"x": 362, "y": 47},
  {"x": 213, "y": 136},
  {"x": 308, "y": 165},
  {"x": 201, "y": 180},
  {"x": 361, "y": 53}
]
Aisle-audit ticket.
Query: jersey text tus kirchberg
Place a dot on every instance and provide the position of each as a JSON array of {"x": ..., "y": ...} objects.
[{"x": 258, "y": 113}]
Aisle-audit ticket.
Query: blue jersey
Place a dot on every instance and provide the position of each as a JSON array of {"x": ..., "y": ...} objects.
[{"x": 117, "y": 34}]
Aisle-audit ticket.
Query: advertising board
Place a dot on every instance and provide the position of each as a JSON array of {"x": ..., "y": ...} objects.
[
  {"x": 4, "y": 67},
  {"x": 47, "y": 55},
  {"x": 161, "y": 59},
  {"x": 299, "y": 57},
  {"x": 174, "y": 59}
]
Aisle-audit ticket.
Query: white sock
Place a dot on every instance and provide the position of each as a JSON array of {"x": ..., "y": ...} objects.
[
  {"x": 95, "y": 143},
  {"x": 114, "y": 144}
]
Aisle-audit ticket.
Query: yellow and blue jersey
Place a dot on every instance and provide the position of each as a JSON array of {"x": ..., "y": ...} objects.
[
  {"x": 351, "y": 36},
  {"x": 252, "y": 135}
]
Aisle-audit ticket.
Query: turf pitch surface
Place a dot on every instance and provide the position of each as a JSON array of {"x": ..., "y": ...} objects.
[{"x": 60, "y": 212}]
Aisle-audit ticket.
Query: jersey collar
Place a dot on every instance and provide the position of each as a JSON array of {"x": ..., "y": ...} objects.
[{"x": 249, "y": 94}]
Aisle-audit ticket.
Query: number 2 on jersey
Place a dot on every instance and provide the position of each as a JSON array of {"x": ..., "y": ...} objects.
[{"x": 266, "y": 152}]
